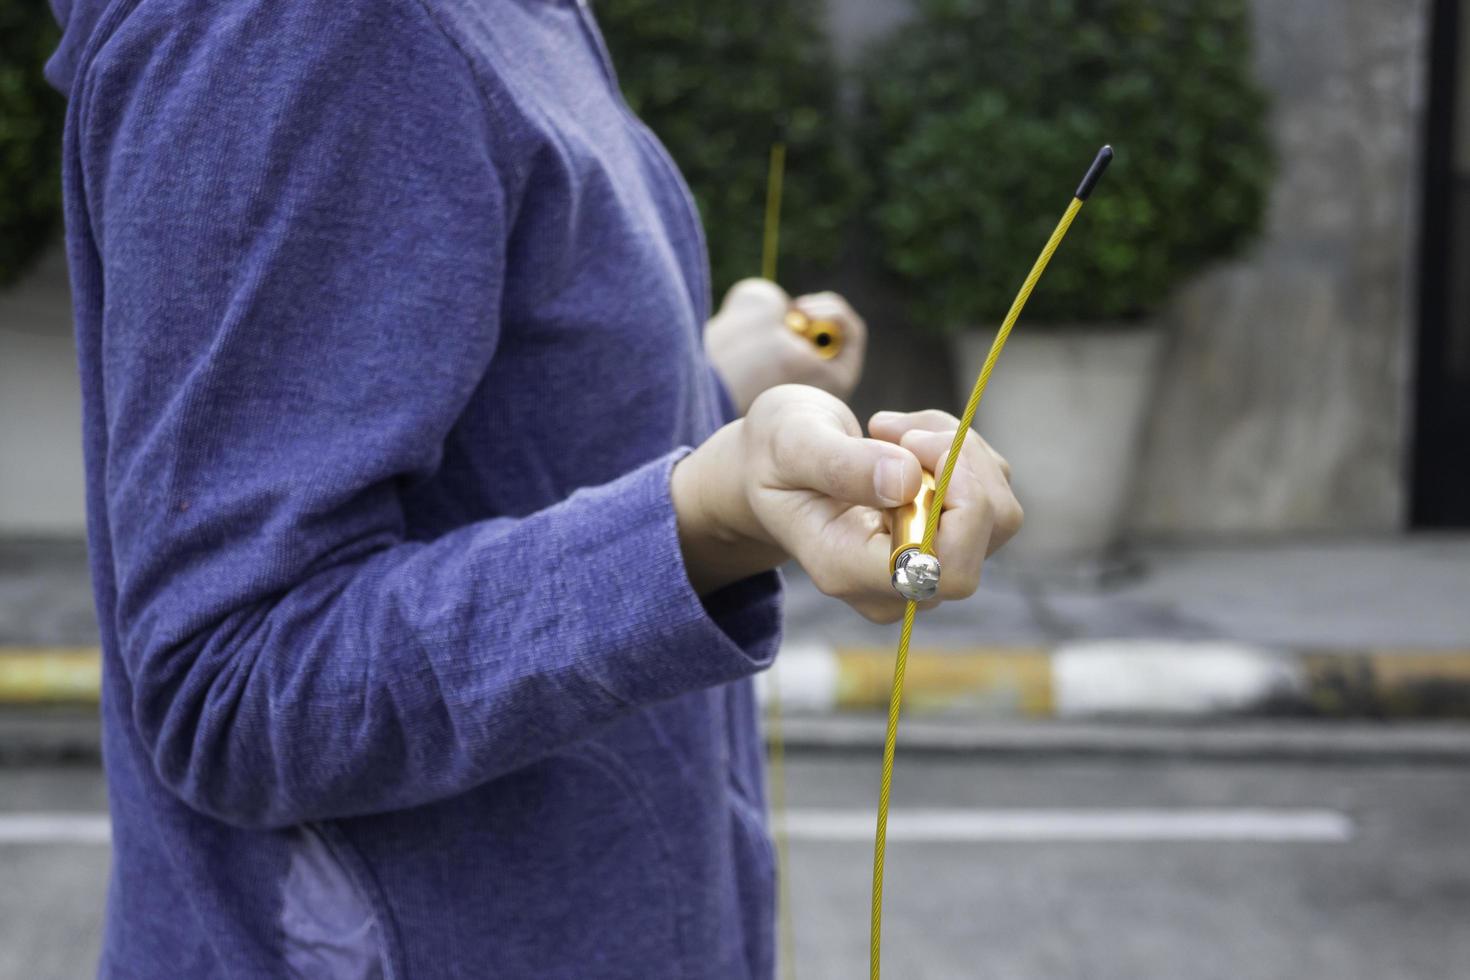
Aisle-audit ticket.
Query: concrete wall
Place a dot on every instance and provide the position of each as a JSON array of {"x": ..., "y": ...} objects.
[
  {"x": 41, "y": 490},
  {"x": 1283, "y": 405}
]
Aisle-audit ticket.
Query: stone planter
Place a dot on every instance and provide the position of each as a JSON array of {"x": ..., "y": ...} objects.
[{"x": 1066, "y": 407}]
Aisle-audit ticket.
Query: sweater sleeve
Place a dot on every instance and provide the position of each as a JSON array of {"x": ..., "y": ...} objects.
[{"x": 301, "y": 221}]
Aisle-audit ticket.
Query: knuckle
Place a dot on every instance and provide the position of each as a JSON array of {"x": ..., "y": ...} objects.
[
  {"x": 1001, "y": 463},
  {"x": 1015, "y": 516},
  {"x": 977, "y": 448},
  {"x": 786, "y": 448},
  {"x": 756, "y": 286},
  {"x": 766, "y": 410},
  {"x": 985, "y": 510}
]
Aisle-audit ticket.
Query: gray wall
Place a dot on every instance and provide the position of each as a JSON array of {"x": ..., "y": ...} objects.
[
  {"x": 40, "y": 408},
  {"x": 1284, "y": 402}
]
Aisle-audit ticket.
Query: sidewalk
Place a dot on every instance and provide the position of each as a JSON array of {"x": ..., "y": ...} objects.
[{"x": 1359, "y": 629}]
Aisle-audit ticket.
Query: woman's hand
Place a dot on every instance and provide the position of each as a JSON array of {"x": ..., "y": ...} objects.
[
  {"x": 753, "y": 349},
  {"x": 796, "y": 478}
]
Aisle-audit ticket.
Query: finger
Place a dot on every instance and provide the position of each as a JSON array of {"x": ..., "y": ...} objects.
[
  {"x": 981, "y": 512},
  {"x": 891, "y": 426},
  {"x": 978, "y": 462},
  {"x": 963, "y": 538},
  {"x": 812, "y": 452},
  {"x": 757, "y": 295},
  {"x": 851, "y": 563},
  {"x": 930, "y": 446},
  {"x": 972, "y": 532}
]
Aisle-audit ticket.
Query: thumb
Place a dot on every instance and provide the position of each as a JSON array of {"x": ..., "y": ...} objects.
[{"x": 848, "y": 468}]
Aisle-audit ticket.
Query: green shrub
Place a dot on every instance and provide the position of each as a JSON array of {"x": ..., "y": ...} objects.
[
  {"x": 30, "y": 136},
  {"x": 719, "y": 81},
  {"x": 982, "y": 115}
]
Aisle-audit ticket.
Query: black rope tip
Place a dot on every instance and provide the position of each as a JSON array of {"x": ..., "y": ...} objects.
[{"x": 1094, "y": 173}]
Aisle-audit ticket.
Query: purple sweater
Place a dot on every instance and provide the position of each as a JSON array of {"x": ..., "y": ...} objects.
[{"x": 389, "y": 324}]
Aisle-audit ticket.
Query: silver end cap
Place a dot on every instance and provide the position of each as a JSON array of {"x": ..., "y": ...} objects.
[{"x": 916, "y": 575}]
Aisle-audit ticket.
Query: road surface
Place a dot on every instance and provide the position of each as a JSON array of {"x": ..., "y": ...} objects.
[{"x": 1026, "y": 868}]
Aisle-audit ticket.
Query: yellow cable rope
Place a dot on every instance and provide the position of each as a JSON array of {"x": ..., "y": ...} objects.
[
  {"x": 785, "y": 925},
  {"x": 772, "y": 238},
  {"x": 900, "y": 664}
]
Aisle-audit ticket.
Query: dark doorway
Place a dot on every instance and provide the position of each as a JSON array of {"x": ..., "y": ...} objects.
[{"x": 1440, "y": 477}]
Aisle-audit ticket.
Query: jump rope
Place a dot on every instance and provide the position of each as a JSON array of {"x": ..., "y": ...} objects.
[{"x": 913, "y": 565}]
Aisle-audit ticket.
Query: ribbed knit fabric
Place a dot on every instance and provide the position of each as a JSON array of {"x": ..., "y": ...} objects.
[{"x": 388, "y": 320}]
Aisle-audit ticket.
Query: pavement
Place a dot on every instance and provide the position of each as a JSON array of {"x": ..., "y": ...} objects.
[
  {"x": 1399, "y": 592},
  {"x": 1034, "y": 868}
]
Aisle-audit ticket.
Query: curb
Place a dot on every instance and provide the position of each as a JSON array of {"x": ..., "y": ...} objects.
[
  {"x": 1071, "y": 681},
  {"x": 1131, "y": 679},
  {"x": 1315, "y": 741},
  {"x": 50, "y": 735},
  {"x": 49, "y": 675}
]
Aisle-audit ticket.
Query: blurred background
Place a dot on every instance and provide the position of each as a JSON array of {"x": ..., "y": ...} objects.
[{"x": 1208, "y": 715}]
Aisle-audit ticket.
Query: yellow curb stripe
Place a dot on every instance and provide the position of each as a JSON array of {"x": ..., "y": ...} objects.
[
  {"x": 1389, "y": 683},
  {"x": 44, "y": 675},
  {"x": 1009, "y": 680},
  {"x": 1413, "y": 666}
]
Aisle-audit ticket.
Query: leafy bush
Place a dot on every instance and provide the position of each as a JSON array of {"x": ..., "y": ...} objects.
[
  {"x": 30, "y": 136},
  {"x": 982, "y": 115},
  {"x": 719, "y": 81}
]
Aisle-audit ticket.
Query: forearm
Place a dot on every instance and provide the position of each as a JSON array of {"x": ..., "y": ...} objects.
[{"x": 420, "y": 670}]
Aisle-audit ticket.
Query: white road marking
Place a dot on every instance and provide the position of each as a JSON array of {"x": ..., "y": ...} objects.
[
  {"x": 55, "y": 828},
  {"x": 912, "y": 826},
  {"x": 979, "y": 826}
]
